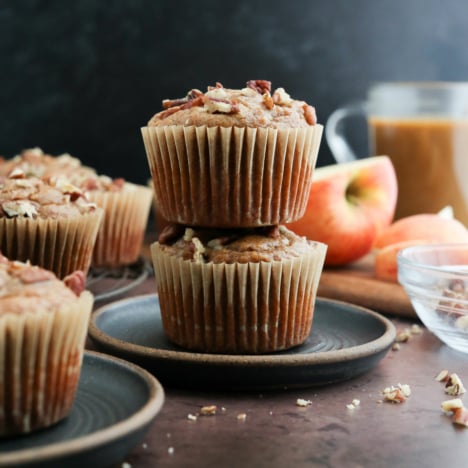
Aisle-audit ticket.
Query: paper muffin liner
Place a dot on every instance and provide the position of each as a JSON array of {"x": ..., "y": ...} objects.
[
  {"x": 126, "y": 213},
  {"x": 61, "y": 245},
  {"x": 237, "y": 308},
  {"x": 159, "y": 223},
  {"x": 231, "y": 177},
  {"x": 40, "y": 362}
]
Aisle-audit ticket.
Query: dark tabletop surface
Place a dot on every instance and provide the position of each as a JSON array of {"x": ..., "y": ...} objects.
[{"x": 268, "y": 429}]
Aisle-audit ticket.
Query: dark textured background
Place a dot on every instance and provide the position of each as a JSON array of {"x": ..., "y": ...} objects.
[{"x": 83, "y": 76}]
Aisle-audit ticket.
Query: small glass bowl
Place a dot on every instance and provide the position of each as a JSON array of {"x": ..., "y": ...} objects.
[{"x": 435, "y": 277}]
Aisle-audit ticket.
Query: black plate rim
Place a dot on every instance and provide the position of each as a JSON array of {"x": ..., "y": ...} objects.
[
  {"x": 99, "y": 438},
  {"x": 263, "y": 360}
]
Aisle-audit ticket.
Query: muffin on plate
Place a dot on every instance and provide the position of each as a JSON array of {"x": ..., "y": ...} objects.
[
  {"x": 51, "y": 224},
  {"x": 43, "y": 325},
  {"x": 126, "y": 205},
  {"x": 236, "y": 291},
  {"x": 233, "y": 158}
]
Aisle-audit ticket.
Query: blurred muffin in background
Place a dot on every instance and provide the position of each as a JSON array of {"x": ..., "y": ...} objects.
[
  {"x": 126, "y": 205},
  {"x": 51, "y": 224}
]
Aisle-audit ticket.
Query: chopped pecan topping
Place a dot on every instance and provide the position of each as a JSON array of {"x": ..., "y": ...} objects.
[
  {"x": 198, "y": 101},
  {"x": 188, "y": 234},
  {"x": 17, "y": 174},
  {"x": 19, "y": 208},
  {"x": 76, "y": 282},
  {"x": 118, "y": 183},
  {"x": 170, "y": 232},
  {"x": 70, "y": 189},
  {"x": 281, "y": 97},
  {"x": 218, "y": 86},
  {"x": 268, "y": 101},
  {"x": 191, "y": 96},
  {"x": 180, "y": 104},
  {"x": 225, "y": 106},
  {"x": 261, "y": 86},
  {"x": 309, "y": 114},
  {"x": 89, "y": 183},
  {"x": 35, "y": 275}
]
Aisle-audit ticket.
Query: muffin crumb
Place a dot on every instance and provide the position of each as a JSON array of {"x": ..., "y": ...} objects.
[{"x": 302, "y": 402}]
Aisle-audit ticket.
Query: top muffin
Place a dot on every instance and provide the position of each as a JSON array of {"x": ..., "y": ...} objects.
[
  {"x": 252, "y": 106},
  {"x": 233, "y": 158}
]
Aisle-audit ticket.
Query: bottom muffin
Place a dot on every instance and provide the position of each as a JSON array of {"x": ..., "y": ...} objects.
[
  {"x": 243, "y": 291},
  {"x": 43, "y": 326}
]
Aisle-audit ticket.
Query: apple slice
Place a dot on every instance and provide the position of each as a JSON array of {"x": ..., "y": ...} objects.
[
  {"x": 348, "y": 206},
  {"x": 423, "y": 228}
]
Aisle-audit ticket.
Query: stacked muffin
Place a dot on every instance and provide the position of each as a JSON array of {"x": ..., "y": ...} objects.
[
  {"x": 228, "y": 168},
  {"x": 43, "y": 326},
  {"x": 125, "y": 205}
]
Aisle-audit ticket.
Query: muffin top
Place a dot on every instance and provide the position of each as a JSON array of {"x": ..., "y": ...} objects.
[
  {"x": 33, "y": 162},
  {"x": 253, "y": 106},
  {"x": 265, "y": 244},
  {"x": 33, "y": 197},
  {"x": 26, "y": 288}
]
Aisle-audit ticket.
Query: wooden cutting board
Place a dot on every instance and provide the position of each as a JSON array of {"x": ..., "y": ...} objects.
[{"x": 357, "y": 284}]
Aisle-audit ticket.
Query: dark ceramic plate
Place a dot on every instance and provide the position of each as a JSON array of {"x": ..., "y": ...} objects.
[
  {"x": 345, "y": 341},
  {"x": 115, "y": 404}
]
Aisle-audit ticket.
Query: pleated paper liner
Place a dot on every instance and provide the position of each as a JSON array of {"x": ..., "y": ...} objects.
[
  {"x": 40, "y": 362},
  {"x": 61, "y": 245},
  {"x": 240, "y": 307},
  {"x": 126, "y": 213},
  {"x": 159, "y": 222},
  {"x": 231, "y": 177}
]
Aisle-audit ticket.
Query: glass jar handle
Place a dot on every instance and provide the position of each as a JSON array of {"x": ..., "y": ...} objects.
[{"x": 334, "y": 131}]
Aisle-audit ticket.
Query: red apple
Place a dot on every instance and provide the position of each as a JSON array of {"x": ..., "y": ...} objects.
[
  {"x": 349, "y": 204},
  {"x": 425, "y": 226}
]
